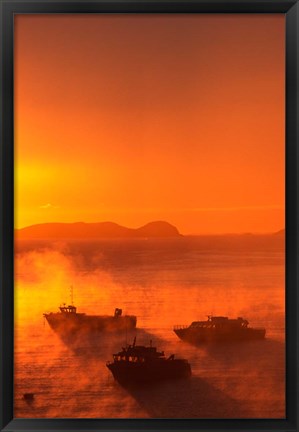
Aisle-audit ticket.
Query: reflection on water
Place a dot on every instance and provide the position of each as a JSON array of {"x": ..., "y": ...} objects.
[{"x": 163, "y": 282}]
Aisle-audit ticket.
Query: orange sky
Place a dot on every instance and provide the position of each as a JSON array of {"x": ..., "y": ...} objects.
[{"x": 153, "y": 117}]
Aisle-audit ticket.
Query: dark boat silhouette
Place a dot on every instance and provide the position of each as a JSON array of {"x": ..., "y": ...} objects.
[
  {"x": 69, "y": 324},
  {"x": 219, "y": 329},
  {"x": 29, "y": 397},
  {"x": 138, "y": 364}
]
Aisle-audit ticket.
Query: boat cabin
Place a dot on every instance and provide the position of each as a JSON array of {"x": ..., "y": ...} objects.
[
  {"x": 68, "y": 309},
  {"x": 220, "y": 322},
  {"x": 138, "y": 353},
  {"x": 118, "y": 312}
]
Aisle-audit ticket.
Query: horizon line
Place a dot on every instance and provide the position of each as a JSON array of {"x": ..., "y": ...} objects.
[{"x": 184, "y": 234}]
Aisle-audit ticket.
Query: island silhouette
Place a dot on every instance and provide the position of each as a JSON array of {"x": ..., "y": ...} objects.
[{"x": 82, "y": 230}]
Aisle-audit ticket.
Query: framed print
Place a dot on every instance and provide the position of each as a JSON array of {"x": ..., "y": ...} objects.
[{"x": 149, "y": 215}]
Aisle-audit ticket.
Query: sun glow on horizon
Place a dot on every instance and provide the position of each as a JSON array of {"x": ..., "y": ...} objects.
[{"x": 182, "y": 121}]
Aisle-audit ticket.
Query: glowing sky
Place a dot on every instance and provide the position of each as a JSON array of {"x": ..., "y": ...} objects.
[{"x": 133, "y": 118}]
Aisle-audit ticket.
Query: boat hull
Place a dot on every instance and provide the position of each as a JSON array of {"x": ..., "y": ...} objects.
[
  {"x": 130, "y": 373},
  {"x": 76, "y": 326}
]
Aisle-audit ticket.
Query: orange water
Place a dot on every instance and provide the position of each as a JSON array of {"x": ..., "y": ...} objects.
[{"x": 164, "y": 282}]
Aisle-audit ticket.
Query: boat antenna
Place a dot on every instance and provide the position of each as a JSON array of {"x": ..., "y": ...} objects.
[{"x": 72, "y": 295}]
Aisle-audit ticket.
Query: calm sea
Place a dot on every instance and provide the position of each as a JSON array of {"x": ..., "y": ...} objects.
[{"x": 164, "y": 282}]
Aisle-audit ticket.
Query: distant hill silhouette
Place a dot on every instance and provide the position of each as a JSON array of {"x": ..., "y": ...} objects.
[
  {"x": 280, "y": 233},
  {"x": 82, "y": 230}
]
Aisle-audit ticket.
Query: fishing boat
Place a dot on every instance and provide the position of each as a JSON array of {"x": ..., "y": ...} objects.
[
  {"x": 219, "y": 329},
  {"x": 139, "y": 364},
  {"x": 70, "y": 324}
]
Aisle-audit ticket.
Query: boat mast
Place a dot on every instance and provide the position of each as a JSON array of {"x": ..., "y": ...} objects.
[{"x": 72, "y": 295}]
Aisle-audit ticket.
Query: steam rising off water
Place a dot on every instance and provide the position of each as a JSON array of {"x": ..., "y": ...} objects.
[{"x": 164, "y": 282}]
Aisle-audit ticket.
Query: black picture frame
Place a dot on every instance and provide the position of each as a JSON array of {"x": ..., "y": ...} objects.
[{"x": 8, "y": 8}]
